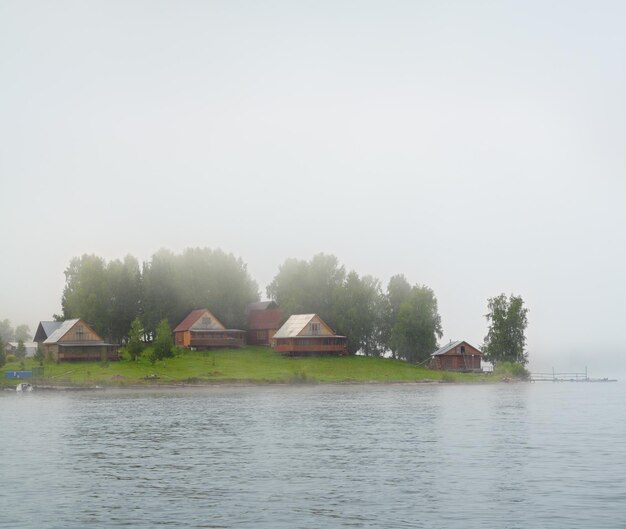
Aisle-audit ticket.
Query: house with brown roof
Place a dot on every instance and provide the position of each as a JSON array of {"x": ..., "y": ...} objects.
[
  {"x": 75, "y": 340},
  {"x": 202, "y": 330},
  {"x": 264, "y": 319},
  {"x": 308, "y": 334},
  {"x": 457, "y": 356}
]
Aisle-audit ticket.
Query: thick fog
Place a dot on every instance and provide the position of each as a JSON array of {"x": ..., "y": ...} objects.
[{"x": 476, "y": 147}]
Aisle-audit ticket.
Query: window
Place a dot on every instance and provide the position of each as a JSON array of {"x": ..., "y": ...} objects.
[
  {"x": 80, "y": 332},
  {"x": 315, "y": 327},
  {"x": 206, "y": 322}
]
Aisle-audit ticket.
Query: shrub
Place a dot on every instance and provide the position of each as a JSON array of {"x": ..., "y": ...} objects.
[
  {"x": 511, "y": 370},
  {"x": 11, "y": 358}
]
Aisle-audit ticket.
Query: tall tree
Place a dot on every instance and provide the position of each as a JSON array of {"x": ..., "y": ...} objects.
[
  {"x": 40, "y": 354},
  {"x": 85, "y": 294},
  {"x": 7, "y": 331},
  {"x": 417, "y": 326},
  {"x": 303, "y": 287},
  {"x": 123, "y": 280},
  {"x": 163, "y": 346},
  {"x": 358, "y": 313},
  {"x": 3, "y": 354},
  {"x": 173, "y": 285},
  {"x": 20, "y": 352},
  {"x": 506, "y": 339},
  {"x": 22, "y": 332},
  {"x": 398, "y": 292},
  {"x": 135, "y": 343}
]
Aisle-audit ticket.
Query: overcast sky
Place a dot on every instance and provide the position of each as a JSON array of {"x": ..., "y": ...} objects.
[{"x": 476, "y": 147}]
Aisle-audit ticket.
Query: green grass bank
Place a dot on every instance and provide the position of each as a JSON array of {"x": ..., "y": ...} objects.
[{"x": 257, "y": 365}]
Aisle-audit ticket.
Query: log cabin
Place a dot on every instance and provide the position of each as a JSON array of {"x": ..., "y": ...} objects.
[
  {"x": 457, "y": 356},
  {"x": 307, "y": 334},
  {"x": 264, "y": 318},
  {"x": 202, "y": 330},
  {"x": 74, "y": 340}
]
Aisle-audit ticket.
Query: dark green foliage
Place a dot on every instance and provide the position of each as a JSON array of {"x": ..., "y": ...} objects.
[
  {"x": 163, "y": 346},
  {"x": 505, "y": 340},
  {"x": 511, "y": 370},
  {"x": 124, "y": 293},
  {"x": 308, "y": 287},
  {"x": 110, "y": 296},
  {"x": 40, "y": 355},
  {"x": 417, "y": 326},
  {"x": 86, "y": 294},
  {"x": 398, "y": 292},
  {"x": 3, "y": 354},
  {"x": 174, "y": 285},
  {"x": 405, "y": 321},
  {"x": 358, "y": 312},
  {"x": 135, "y": 344},
  {"x": 20, "y": 352}
]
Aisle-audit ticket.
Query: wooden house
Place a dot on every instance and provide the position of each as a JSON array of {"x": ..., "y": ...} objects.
[
  {"x": 457, "y": 356},
  {"x": 30, "y": 348},
  {"x": 45, "y": 329},
  {"x": 202, "y": 330},
  {"x": 75, "y": 340},
  {"x": 307, "y": 334},
  {"x": 264, "y": 319}
]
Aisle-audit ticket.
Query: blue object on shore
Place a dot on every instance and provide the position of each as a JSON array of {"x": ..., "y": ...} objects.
[{"x": 18, "y": 374}]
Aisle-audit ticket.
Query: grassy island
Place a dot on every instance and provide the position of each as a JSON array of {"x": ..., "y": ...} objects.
[{"x": 256, "y": 365}]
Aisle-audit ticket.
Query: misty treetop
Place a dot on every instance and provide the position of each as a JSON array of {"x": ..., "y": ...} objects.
[
  {"x": 10, "y": 334},
  {"x": 167, "y": 287},
  {"x": 405, "y": 320},
  {"x": 110, "y": 296}
]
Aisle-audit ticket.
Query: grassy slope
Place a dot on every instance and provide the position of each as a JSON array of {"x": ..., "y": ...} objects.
[{"x": 250, "y": 364}]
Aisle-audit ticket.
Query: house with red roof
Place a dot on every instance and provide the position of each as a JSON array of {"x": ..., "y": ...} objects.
[
  {"x": 202, "y": 330},
  {"x": 264, "y": 319}
]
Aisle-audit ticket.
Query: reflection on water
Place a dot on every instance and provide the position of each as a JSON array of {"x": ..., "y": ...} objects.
[{"x": 527, "y": 456}]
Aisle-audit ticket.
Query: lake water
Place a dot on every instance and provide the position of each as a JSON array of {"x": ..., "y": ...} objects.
[{"x": 522, "y": 456}]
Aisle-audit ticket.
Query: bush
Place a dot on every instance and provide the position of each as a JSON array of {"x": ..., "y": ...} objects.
[
  {"x": 511, "y": 370},
  {"x": 11, "y": 358}
]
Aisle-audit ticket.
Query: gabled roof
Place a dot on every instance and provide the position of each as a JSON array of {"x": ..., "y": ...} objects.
[
  {"x": 447, "y": 348},
  {"x": 262, "y": 305},
  {"x": 61, "y": 330},
  {"x": 46, "y": 328},
  {"x": 264, "y": 319},
  {"x": 297, "y": 323},
  {"x": 193, "y": 317}
]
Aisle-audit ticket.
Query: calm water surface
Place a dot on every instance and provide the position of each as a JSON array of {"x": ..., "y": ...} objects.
[{"x": 506, "y": 456}]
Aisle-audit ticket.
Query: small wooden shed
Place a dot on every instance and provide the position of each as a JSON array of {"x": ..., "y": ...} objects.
[
  {"x": 457, "y": 356},
  {"x": 202, "y": 330},
  {"x": 264, "y": 318},
  {"x": 307, "y": 334}
]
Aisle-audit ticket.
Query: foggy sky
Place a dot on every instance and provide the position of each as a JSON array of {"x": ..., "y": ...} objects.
[{"x": 476, "y": 147}]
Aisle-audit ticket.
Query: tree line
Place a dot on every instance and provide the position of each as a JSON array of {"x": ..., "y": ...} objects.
[{"x": 402, "y": 318}]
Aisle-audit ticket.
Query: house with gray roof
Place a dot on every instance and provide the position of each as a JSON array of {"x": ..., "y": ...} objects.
[
  {"x": 308, "y": 334},
  {"x": 457, "y": 356},
  {"x": 74, "y": 340}
]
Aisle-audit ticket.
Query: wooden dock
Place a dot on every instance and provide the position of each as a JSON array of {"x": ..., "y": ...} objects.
[{"x": 566, "y": 377}]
